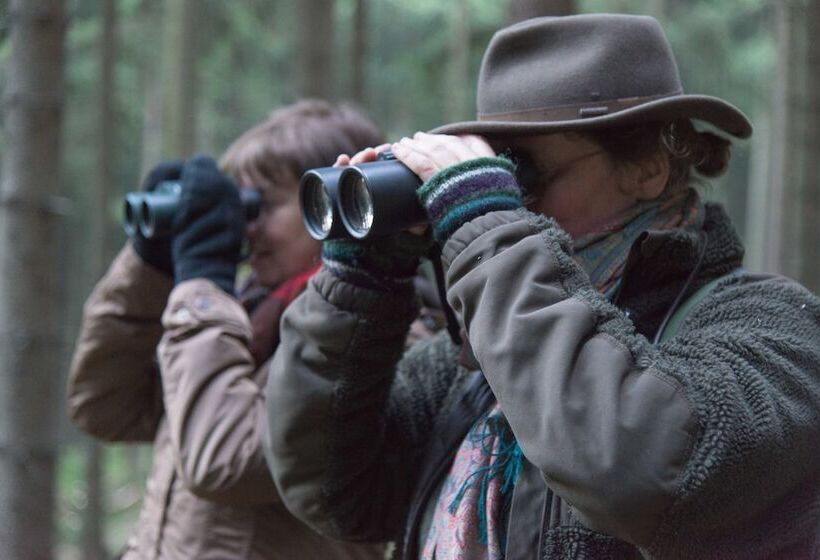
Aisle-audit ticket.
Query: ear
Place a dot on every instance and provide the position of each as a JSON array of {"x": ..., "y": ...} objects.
[{"x": 652, "y": 176}]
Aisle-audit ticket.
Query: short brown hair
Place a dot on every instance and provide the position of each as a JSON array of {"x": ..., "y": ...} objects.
[{"x": 297, "y": 137}]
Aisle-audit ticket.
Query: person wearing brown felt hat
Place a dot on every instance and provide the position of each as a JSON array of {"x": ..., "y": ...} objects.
[{"x": 631, "y": 390}]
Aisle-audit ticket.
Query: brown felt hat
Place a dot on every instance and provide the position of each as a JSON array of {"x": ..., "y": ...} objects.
[{"x": 555, "y": 74}]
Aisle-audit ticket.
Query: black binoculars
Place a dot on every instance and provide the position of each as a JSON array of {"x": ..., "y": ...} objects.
[
  {"x": 152, "y": 213},
  {"x": 360, "y": 201},
  {"x": 371, "y": 199}
]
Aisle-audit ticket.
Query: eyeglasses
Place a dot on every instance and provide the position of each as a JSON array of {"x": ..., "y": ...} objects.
[{"x": 549, "y": 173}]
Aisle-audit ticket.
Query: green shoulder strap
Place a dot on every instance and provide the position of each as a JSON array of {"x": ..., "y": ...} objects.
[{"x": 680, "y": 314}]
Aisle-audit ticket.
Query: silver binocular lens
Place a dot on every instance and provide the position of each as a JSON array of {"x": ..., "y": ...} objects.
[
  {"x": 378, "y": 198},
  {"x": 365, "y": 200},
  {"x": 317, "y": 207},
  {"x": 317, "y": 201},
  {"x": 356, "y": 205}
]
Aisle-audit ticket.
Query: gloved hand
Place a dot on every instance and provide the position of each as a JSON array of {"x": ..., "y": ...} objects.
[
  {"x": 209, "y": 226},
  {"x": 385, "y": 264},
  {"x": 157, "y": 251}
]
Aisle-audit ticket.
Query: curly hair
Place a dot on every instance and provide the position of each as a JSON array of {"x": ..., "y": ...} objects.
[{"x": 689, "y": 150}]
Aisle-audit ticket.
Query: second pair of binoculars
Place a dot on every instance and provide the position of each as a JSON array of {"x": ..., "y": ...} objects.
[{"x": 152, "y": 213}]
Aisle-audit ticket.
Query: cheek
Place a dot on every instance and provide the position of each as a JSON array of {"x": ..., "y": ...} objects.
[
  {"x": 292, "y": 244},
  {"x": 561, "y": 199}
]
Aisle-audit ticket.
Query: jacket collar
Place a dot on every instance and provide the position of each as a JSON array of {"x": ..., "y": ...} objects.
[{"x": 659, "y": 263}]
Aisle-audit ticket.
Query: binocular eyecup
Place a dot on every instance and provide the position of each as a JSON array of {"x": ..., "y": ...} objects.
[
  {"x": 361, "y": 201},
  {"x": 152, "y": 213}
]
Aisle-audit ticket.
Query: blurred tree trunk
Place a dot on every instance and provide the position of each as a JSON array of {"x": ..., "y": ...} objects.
[
  {"x": 106, "y": 127},
  {"x": 179, "y": 77},
  {"x": 809, "y": 237},
  {"x": 94, "y": 514},
  {"x": 793, "y": 247},
  {"x": 31, "y": 302},
  {"x": 316, "y": 48},
  {"x": 518, "y": 10},
  {"x": 657, "y": 9},
  {"x": 456, "y": 96},
  {"x": 149, "y": 16},
  {"x": 358, "y": 59}
]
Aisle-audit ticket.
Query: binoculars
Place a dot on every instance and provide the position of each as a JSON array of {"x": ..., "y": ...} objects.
[
  {"x": 152, "y": 213},
  {"x": 371, "y": 199},
  {"x": 360, "y": 201}
]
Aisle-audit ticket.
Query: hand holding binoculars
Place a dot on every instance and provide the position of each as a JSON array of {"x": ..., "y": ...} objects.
[{"x": 152, "y": 213}]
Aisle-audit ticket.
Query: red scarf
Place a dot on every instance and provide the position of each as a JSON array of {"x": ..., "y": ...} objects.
[{"x": 266, "y": 311}]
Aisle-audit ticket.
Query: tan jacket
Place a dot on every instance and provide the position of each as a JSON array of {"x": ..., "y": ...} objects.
[{"x": 209, "y": 495}]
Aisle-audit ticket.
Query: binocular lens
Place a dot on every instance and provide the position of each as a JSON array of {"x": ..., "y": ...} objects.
[
  {"x": 132, "y": 210},
  {"x": 317, "y": 208},
  {"x": 357, "y": 205},
  {"x": 147, "y": 222}
]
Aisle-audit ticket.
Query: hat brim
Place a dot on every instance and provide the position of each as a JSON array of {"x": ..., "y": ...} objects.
[{"x": 713, "y": 110}]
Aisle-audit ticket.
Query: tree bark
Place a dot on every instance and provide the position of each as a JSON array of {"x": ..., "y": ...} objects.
[
  {"x": 94, "y": 514},
  {"x": 106, "y": 127},
  {"x": 793, "y": 247},
  {"x": 179, "y": 77},
  {"x": 519, "y": 10},
  {"x": 358, "y": 58},
  {"x": 456, "y": 100},
  {"x": 316, "y": 45},
  {"x": 31, "y": 302},
  {"x": 657, "y": 9},
  {"x": 809, "y": 234}
]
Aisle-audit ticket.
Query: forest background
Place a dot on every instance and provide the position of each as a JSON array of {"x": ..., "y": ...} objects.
[{"x": 95, "y": 92}]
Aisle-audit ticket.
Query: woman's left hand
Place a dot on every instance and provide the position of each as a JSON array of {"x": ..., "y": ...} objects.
[{"x": 426, "y": 154}]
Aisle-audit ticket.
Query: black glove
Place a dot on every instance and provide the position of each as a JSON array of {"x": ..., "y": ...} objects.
[
  {"x": 208, "y": 226},
  {"x": 157, "y": 251},
  {"x": 386, "y": 264}
]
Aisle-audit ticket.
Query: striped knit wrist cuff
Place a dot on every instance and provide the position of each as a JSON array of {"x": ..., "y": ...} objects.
[
  {"x": 370, "y": 266},
  {"x": 457, "y": 194}
]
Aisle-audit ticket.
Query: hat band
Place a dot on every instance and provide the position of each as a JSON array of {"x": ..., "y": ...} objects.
[{"x": 575, "y": 111}]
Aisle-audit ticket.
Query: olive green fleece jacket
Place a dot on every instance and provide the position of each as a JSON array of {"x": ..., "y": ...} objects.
[{"x": 704, "y": 446}]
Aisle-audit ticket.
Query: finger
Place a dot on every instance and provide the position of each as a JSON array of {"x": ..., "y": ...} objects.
[
  {"x": 442, "y": 149},
  {"x": 368, "y": 154},
  {"x": 418, "y": 162},
  {"x": 453, "y": 144},
  {"x": 478, "y": 145},
  {"x": 342, "y": 160},
  {"x": 382, "y": 147}
]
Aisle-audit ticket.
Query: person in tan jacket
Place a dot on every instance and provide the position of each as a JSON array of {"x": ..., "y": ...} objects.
[{"x": 167, "y": 353}]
